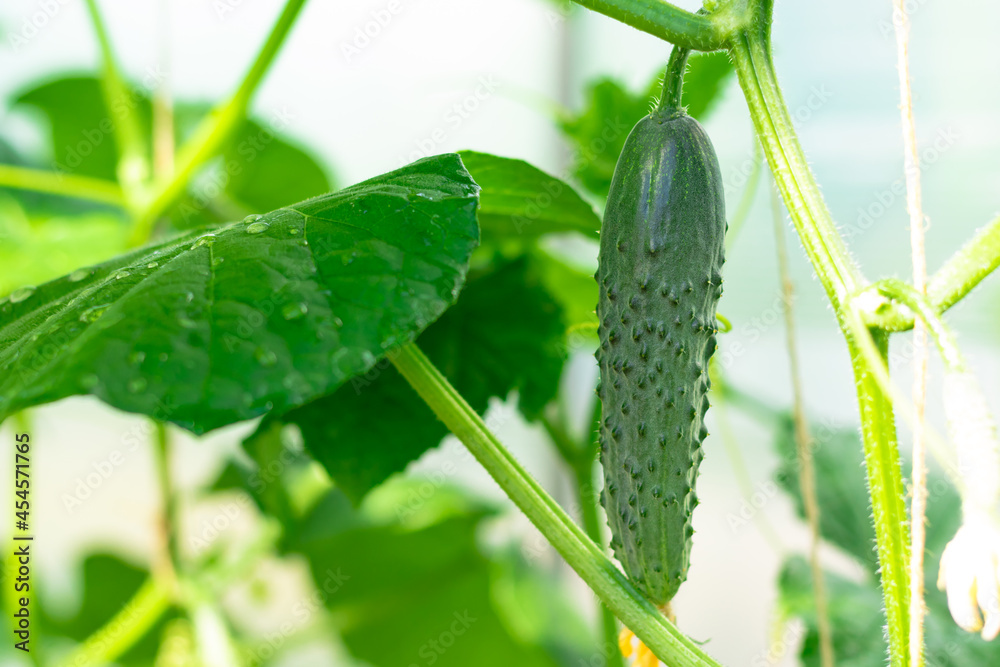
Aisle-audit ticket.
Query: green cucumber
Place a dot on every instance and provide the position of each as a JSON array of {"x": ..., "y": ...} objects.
[{"x": 660, "y": 279}]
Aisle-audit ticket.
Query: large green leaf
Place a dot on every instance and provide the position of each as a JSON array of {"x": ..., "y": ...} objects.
[
  {"x": 505, "y": 333},
  {"x": 522, "y": 201},
  {"x": 270, "y": 313}
]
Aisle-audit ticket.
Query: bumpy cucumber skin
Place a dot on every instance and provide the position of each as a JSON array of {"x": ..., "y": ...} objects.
[{"x": 662, "y": 249}]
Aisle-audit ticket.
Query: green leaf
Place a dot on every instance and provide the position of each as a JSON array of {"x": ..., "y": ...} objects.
[
  {"x": 267, "y": 171},
  {"x": 521, "y": 201},
  {"x": 842, "y": 492},
  {"x": 598, "y": 133},
  {"x": 36, "y": 247},
  {"x": 706, "y": 78},
  {"x": 855, "y": 613},
  {"x": 505, "y": 333},
  {"x": 415, "y": 596},
  {"x": 210, "y": 329},
  {"x": 81, "y": 128}
]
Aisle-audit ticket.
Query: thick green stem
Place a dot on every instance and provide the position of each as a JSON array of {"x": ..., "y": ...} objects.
[
  {"x": 66, "y": 185},
  {"x": 215, "y": 131},
  {"x": 673, "y": 79},
  {"x": 669, "y": 22},
  {"x": 582, "y": 554},
  {"x": 126, "y": 628},
  {"x": 885, "y": 485}
]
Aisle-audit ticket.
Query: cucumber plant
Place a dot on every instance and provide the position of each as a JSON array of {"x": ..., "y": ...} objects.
[{"x": 320, "y": 312}]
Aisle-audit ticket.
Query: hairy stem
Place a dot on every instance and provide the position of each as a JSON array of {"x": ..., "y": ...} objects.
[
  {"x": 673, "y": 79},
  {"x": 215, "y": 130},
  {"x": 885, "y": 484},
  {"x": 582, "y": 554},
  {"x": 668, "y": 22}
]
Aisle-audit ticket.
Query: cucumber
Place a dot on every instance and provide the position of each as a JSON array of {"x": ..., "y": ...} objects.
[{"x": 660, "y": 279}]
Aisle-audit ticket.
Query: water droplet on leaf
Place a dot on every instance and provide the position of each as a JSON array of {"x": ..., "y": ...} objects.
[
  {"x": 94, "y": 313},
  {"x": 257, "y": 227},
  {"x": 265, "y": 357},
  {"x": 293, "y": 311},
  {"x": 79, "y": 275},
  {"x": 22, "y": 293}
]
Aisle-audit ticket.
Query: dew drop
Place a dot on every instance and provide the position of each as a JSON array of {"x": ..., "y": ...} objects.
[
  {"x": 94, "y": 313},
  {"x": 265, "y": 357},
  {"x": 79, "y": 275},
  {"x": 257, "y": 227},
  {"x": 294, "y": 231},
  {"x": 152, "y": 265},
  {"x": 22, "y": 293},
  {"x": 337, "y": 321},
  {"x": 122, "y": 273},
  {"x": 293, "y": 311},
  {"x": 136, "y": 358},
  {"x": 253, "y": 217},
  {"x": 163, "y": 356},
  {"x": 207, "y": 240}
]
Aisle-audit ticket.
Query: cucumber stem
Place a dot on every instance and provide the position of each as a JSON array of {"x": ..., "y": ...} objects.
[
  {"x": 580, "y": 552},
  {"x": 673, "y": 79}
]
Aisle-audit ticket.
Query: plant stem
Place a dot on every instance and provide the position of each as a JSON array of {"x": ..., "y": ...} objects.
[
  {"x": 126, "y": 628},
  {"x": 673, "y": 79},
  {"x": 582, "y": 554},
  {"x": 213, "y": 133},
  {"x": 65, "y": 185},
  {"x": 885, "y": 484},
  {"x": 170, "y": 558},
  {"x": 133, "y": 166},
  {"x": 588, "y": 497},
  {"x": 666, "y": 21}
]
